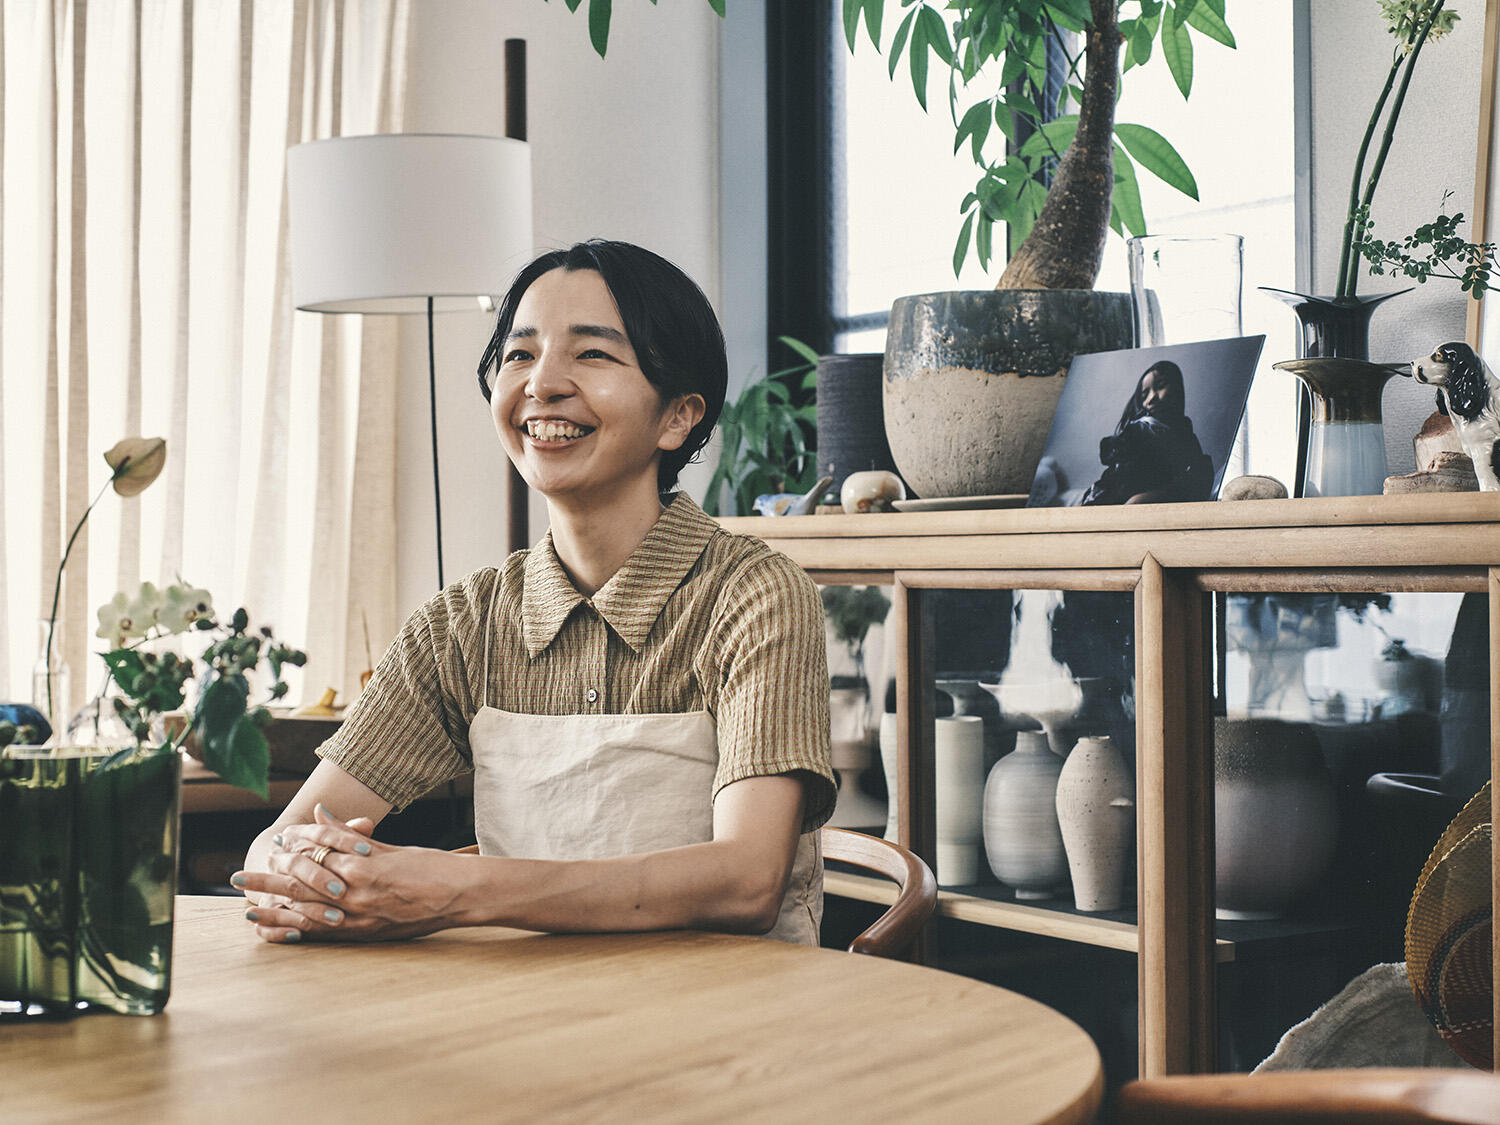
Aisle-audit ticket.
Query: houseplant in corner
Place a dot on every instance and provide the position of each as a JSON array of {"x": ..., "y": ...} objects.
[
  {"x": 972, "y": 379},
  {"x": 88, "y": 835}
]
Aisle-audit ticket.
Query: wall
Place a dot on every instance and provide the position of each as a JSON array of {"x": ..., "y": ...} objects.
[
  {"x": 1433, "y": 152},
  {"x": 624, "y": 147}
]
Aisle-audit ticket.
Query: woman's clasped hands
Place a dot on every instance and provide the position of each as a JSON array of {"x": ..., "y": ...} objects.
[{"x": 329, "y": 881}]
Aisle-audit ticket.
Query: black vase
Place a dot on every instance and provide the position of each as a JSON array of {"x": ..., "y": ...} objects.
[
  {"x": 1332, "y": 326},
  {"x": 851, "y": 417}
]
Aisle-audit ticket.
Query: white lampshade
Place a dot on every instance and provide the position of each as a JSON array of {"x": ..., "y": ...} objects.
[{"x": 381, "y": 223}]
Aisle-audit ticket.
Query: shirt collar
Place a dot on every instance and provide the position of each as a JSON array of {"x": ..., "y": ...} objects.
[{"x": 633, "y": 598}]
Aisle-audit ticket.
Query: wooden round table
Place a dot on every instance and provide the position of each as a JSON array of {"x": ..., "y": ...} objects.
[{"x": 499, "y": 1025}]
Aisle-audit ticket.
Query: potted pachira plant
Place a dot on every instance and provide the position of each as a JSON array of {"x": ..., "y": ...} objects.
[{"x": 972, "y": 379}]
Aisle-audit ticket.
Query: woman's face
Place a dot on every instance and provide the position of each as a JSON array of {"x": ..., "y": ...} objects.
[
  {"x": 574, "y": 412},
  {"x": 1157, "y": 392}
]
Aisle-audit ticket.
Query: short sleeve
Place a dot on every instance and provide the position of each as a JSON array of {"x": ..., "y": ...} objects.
[
  {"x": 409, "y": 730},
  {"x": 771, "y": 705}
]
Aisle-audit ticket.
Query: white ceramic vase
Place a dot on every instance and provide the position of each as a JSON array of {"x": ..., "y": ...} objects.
[
  {"x": 889, "y": 732},
  {"x": 1022, "y": 839},
  {"x": 1096, "y": 812},
  {"x": 959, "y": 753}
]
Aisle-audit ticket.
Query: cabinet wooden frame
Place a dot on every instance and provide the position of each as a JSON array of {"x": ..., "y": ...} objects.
[{"x": 1172, "y": 556}]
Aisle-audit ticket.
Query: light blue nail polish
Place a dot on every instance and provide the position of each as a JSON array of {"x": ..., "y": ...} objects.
[
  {"x": 278, "y": 841},
  {"x": 293, "y": 935},
  {"x": 251, "y": 916},
  {"x": 362, "y": 848},
  {"x": 335, "y": 888},
  {"x": 331, "y": 915},
  {"x": 237, "y": 880}
]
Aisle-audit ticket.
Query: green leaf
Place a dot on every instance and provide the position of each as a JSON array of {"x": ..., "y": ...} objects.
[
  {"x": 1141, "y": 40},
  {"x": 1177, "y": 49},
  {"x": 1208, "y": 17},
  {"x": 1127, "y": 197},
  {"x": 975, "y": 127},
  {"x": 961, "y": 249},
  {"x": 918, "y": 58},
  {"x": 903, "y": 29},
  {"x": 936, "y": 34},
  {"x": 1054, "y": 136},
  {"x": 800, "y": 348},
  {"x": 716, "y": 5},
  {"x": 1072, "y": 14},
  {"x": 1156, "y": 154},
  {"x": 852, "y": 8},
  {"x": 599, "y": 12},
  {"x": 242, "y": 757},
  {"x": 1180, "y": 13},
  {"x": 874, "y": 10},
  {"x": 573, "y": 4},
  {"x": 982, "y": 241}
]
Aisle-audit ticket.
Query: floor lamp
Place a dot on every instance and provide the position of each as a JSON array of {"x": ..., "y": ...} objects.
[{"x": 408, "y": 223}]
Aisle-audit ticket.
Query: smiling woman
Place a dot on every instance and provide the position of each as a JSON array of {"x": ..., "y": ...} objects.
[{"x": 642, "y": 697}]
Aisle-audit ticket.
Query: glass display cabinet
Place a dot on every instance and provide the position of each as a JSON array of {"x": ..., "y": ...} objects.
[{"x": 1297, "y": 694}]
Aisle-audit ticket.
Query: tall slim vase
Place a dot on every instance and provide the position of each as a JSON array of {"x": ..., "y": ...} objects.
[
  {"x": 959, "y": 753},
  {"x": 1346, "y": 444},
  {"x": 1096, "y": 812}
]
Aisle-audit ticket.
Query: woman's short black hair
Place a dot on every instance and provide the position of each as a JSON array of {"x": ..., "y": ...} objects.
[{"x": 671, "y": 326}]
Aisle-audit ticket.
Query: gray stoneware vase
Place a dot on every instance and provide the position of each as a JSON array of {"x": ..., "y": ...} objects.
[
  {"x": 1022, "y": 839},
  {"x": 972, "y": 380},
  {"x": 1275, "y": 819}
]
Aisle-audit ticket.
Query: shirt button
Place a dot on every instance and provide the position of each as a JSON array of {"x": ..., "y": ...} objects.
[{"x": 591, "y": 695}]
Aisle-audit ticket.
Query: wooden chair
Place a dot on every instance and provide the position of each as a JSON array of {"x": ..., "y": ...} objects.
[
  {"x": 1314, "y": 1097},
  {"x": 916, "y": 889},
  {"x": 895, "y": 930}
]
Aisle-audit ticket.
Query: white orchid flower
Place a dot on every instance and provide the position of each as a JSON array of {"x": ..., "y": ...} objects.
[
  {"x": 116, "y": 623},
  {"x": 183, "y": 606}
]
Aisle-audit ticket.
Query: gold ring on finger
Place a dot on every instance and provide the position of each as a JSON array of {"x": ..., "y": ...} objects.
[{"x": 319, "y": 854}]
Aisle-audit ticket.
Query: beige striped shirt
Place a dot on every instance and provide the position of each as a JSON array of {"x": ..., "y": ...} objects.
[{"x": 696, "y": 619}]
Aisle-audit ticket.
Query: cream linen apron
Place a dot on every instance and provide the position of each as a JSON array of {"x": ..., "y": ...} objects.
[{"x": 598, "y": 786}]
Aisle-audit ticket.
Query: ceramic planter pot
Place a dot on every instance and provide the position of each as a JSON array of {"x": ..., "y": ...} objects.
[
  {"x": 972, "y": 380},
  {"x": 1275, "y": 819}
]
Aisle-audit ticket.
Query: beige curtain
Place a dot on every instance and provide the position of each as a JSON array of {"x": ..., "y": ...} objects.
[{"x": 144, "y": 289}]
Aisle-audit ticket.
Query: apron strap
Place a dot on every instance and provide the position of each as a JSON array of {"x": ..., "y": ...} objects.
[{"x": 489, "y": 617}]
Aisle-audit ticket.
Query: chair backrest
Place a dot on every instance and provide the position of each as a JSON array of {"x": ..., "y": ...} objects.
[
  {"x": 1376, "y": 1096},
  {"x": 916, "y": 895}
]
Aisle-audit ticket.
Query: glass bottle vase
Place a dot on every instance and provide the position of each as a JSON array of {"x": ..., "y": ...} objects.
[{"x": 49, "y": 676}]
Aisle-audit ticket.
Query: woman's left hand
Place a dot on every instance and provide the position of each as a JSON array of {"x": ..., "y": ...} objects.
[{"x": 329, "y": 881}]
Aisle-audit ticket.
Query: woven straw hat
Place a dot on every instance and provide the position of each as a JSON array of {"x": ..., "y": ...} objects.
[{"x": 1450, "y": 934}]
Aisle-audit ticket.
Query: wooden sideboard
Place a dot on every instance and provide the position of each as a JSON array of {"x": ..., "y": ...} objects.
[{"x": 1171, "y": 557}]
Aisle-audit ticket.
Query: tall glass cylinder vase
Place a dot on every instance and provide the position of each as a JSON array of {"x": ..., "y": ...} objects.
[
  {"x": 49, "y": 676},
  {"x": 1186, "y": 287}
]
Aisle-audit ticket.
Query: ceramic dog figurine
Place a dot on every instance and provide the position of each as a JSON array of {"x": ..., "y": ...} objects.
[{"x": 1469, "y": 393}]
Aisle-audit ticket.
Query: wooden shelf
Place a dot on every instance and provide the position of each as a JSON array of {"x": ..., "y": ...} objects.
[{"x": 1065, "y": 925}]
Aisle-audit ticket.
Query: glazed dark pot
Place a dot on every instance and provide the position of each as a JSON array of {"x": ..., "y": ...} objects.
[
  {"x": 851, "y": 420},
  {"x": 1275, "y": 818},
  {"x": 972, "y": 380}
]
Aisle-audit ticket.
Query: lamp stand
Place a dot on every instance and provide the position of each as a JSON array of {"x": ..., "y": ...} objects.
[{"x": 437, "y": 491}]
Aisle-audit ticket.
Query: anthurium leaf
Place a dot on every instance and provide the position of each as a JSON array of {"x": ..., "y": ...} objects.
[
  {"x": 903, "y": 29},
  {"x": 1156, "y": 154},
  {"x": 1207, "y": 16},
  {"x": 599, "y": 13},
  {"x": 1177, "y": 49}
]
